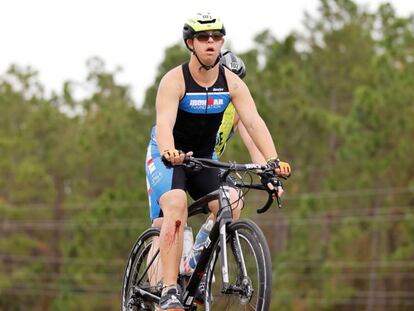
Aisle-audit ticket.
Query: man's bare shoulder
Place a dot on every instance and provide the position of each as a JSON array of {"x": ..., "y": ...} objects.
[
  {"x": 233, "y": 81},
  {"x": 174, "y": 80},
  {"x": 175, "y": 74}
]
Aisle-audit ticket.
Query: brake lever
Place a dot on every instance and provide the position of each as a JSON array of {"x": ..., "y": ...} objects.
[
  {"x": 277, "y": 183},
  {"x": 266, "y": 178},
  {"x": 279, "y": 200}
]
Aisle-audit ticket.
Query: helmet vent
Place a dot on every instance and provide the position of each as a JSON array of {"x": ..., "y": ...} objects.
[{"x": 207, "y": 22}]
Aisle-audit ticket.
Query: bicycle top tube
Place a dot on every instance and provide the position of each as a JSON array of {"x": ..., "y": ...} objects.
[{"x": 200, "y": 206}]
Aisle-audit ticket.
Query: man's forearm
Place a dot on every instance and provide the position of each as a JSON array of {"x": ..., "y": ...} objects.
[
  {"x": 255, "y": 154},
  {"x": 262, "y": 138},
  {"x": 164, "y": 138}
]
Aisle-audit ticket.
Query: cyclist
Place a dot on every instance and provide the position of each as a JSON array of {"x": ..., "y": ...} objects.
[
  {"x": 190, "y": 103},
  {"x": 229, "y": 124}
]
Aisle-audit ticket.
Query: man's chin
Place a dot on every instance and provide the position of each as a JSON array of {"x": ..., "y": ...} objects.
[{"x": 210, "y": 60}]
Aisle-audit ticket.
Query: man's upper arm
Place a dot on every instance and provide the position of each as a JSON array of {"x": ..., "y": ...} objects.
[
  {"x": 168, "y": 96},
  {"x": 242, "y": 100}
]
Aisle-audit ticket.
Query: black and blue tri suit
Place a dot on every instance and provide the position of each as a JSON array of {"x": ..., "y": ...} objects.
[{"x": 199, "y": 115}]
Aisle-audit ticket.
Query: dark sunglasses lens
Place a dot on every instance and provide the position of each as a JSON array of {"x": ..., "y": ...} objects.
[
  {"x": 204, "y": 36},
  {"x": 217, "y": 36}
]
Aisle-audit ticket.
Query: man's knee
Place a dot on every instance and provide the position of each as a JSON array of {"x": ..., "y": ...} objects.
[
  {"x": 236, "y": 201},
  {"x": 174, "y": 204},
  {"x": 236, "y": 198}
]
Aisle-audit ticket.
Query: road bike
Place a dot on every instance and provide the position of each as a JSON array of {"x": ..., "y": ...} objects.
[{"x": 242, "y": 280}]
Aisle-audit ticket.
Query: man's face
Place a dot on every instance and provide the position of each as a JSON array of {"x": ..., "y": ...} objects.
[{"x": 208, "y": 44}]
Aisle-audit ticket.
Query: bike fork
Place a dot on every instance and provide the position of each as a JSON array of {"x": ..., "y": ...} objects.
[
  {"x": 239, "y": 254},
  {"x": 236, "y": 248},
  {"x": 223, "y": 256},
  {"x": 225, "y": 218}
]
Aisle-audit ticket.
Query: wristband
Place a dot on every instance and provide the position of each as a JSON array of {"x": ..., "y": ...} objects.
[
  {"x": 273, "y": 162},
  {"x": 272, "y": 159}
]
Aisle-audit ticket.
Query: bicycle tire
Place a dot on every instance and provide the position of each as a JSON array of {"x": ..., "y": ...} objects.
[
  {"x": 136, "y": 266},
  {"x": 255, "y": 294}
]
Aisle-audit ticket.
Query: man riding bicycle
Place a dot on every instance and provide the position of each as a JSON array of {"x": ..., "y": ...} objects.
[
  {"x": 190, "y": 103},
  {"x": 229, "y": 125}
]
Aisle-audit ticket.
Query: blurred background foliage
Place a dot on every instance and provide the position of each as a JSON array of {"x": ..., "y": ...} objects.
[{"x": 339, "y": 101}]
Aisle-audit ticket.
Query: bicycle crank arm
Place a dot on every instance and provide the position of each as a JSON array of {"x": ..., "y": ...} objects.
[
  {"x": 239, "y": 290},
  {"x": 140, "y": 294}
]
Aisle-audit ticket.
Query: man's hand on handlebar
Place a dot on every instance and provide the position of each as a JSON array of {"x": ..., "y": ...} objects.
[
  {"x": 175, "y": 157},
  {"x": 282, "y": 169}
]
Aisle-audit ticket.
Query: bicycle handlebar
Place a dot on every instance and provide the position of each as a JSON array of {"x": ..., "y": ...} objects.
[{"x": 266, "y": 173}]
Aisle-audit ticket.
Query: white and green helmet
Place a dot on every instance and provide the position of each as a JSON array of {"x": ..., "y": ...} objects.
[{"x": 201, "y": 22}]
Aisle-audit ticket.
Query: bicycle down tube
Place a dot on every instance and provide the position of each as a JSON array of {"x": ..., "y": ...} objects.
[{"x": 217, "y": 233}]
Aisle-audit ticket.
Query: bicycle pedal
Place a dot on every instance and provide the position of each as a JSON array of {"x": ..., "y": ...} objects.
[
  {"x": 135, "y": 304},
  {"x": 132, "y": 305}
]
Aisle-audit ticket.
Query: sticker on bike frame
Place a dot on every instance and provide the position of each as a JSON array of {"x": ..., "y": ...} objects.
[
  {"x": 207, "y": 242},
  {"x": 189, "y": 300}
]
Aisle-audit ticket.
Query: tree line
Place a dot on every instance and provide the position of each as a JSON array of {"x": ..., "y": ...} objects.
[{"x": 337, "y": 98}]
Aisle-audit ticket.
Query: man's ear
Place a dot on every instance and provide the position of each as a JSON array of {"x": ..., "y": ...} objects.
[
  {"x": 222, "y": 42},
  {"x": 190, "y": 43}
]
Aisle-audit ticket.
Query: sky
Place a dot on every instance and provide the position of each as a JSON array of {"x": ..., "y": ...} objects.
[{"x": 57, "y": 37}]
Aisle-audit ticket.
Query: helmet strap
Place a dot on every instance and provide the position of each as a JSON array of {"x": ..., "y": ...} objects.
[{"x": 206, "y": 67}]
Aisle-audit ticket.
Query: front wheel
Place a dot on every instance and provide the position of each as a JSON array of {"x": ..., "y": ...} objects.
[
  {"x": 249, "y": 270},
  {"x": 142, "y": 273}
]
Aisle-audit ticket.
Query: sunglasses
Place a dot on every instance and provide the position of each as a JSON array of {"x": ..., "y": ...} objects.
[{"x": 203, "y": 36}]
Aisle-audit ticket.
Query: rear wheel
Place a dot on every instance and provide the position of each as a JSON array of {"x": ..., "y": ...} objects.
[
  {"x": 249, "y": 268},
  {"x": 143, "y": 273}
]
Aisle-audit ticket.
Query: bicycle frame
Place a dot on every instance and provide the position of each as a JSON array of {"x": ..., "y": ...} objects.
[{"x": 218, "y": 235}]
